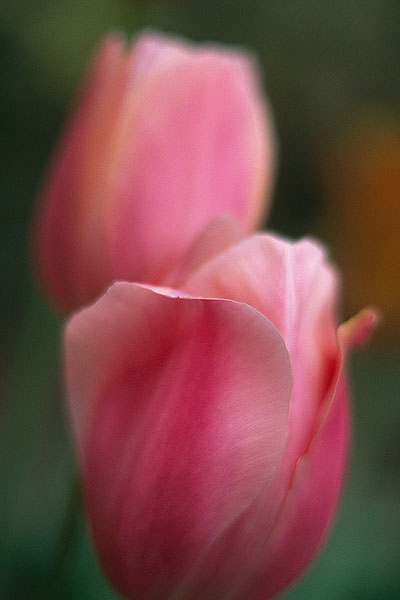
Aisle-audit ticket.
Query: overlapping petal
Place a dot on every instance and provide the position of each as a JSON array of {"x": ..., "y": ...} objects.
[
  {"x": 292, "y": 285},
  {"x": 309, "y": 506},
  {"x": 180, "y": 408}
]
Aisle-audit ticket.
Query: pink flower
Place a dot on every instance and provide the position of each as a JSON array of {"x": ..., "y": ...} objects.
[
  {"x": 165, "y": 137},
  {"x": 212, "y": 422}
]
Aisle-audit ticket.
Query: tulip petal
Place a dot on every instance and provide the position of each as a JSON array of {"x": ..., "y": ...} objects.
[
  {"x": 276, "y": 556},
  {"x": 180, "y": 408},
  {"x": 314, "y": 491},
  {"x": 198, "y": 126},
  {"x": 309, "y": 506},
  {"x": 153, "y": 52},
  {"x": 293, "y": 286},
  {"x": 64, "y": 229},
  {"x": 218, "y": 236}
]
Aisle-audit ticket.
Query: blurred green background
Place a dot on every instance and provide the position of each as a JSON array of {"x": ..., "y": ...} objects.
[{"x": 332, "y": 73}]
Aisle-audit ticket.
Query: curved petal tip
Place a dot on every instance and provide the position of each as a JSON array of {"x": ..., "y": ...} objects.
[{"x": 356, "y": 332}]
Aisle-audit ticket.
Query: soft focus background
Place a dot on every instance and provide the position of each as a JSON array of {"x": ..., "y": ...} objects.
[{"x": 332, "y": 72}]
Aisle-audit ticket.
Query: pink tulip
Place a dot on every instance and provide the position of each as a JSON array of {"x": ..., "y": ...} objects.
[
  {"x": 212, "y": 422},
  {"x": 165, "y": 137}
]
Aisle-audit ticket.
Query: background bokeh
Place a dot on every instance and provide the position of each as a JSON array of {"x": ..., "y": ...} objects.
[{"x": 332, "y": 73}]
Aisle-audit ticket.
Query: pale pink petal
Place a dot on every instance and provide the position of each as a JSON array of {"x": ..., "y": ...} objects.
[
  {"x": 180, "y": 410},
  {"x": 218, "y": 236},
  {"x": 195, "y": 142},
  {"x": 153, "y": 52},
  {"x": 292, "y": 285}
]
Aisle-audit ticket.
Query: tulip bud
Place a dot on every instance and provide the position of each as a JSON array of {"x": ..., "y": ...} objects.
[
  {"x": 212, "y": 422},
  {"x": 165, "y": 137}
]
